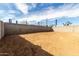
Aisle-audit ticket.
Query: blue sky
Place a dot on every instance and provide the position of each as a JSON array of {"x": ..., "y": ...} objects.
[{"x": 40, "y": 12}]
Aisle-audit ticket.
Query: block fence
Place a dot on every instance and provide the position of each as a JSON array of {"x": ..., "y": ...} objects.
[
  {"x": 1, "y": 29},
  {"x": 13, "y": 29}
]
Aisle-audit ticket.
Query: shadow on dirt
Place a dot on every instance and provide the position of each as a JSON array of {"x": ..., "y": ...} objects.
[{"x": 15, "y": 45}]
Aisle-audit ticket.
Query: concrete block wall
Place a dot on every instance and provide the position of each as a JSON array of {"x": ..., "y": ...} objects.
[
  {"x": 1, "y": 29},
  {"x": 11, "y": 29}
]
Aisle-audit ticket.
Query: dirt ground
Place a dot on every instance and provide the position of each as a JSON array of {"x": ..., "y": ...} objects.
[{"x": 41, "y": 44}]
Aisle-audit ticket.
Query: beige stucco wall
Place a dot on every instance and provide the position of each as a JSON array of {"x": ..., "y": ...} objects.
[
  {"x": 1, "y": 29},
  {"x": 23, "y": 29},
  {"x": 66, "y": 29}
]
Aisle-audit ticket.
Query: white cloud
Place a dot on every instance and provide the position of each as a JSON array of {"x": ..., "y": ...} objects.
[
  {"x": 69, "y": 10},
  {"x": 2, "y": 11},
  {"x": 6, "y": 18},
  {"x": 11, "y": 11},
  {"x": 22, "y": 7},
  {"x": 7, "y": 14},
  {"x": 34, "y": 5}
]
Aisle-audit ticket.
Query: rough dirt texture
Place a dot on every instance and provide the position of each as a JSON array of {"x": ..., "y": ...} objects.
[{"x": 41, "y": 44}]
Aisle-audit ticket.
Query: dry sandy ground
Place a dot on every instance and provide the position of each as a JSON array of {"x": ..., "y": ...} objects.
[{"x": 44, "y": 43}]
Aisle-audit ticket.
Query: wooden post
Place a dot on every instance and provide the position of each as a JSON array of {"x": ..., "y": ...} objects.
[
  {"x": 16, "y": 22},
  {"x": 46, "y": 23},
  {"x": 56, "y": 22},
  {"x": 10, "y": 20}
]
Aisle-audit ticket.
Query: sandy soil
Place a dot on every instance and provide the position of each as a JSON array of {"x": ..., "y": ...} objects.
[{"x": 44, "y": 43}]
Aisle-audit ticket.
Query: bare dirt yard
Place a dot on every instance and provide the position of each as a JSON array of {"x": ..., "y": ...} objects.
[{"x": 41, "y": 44}]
